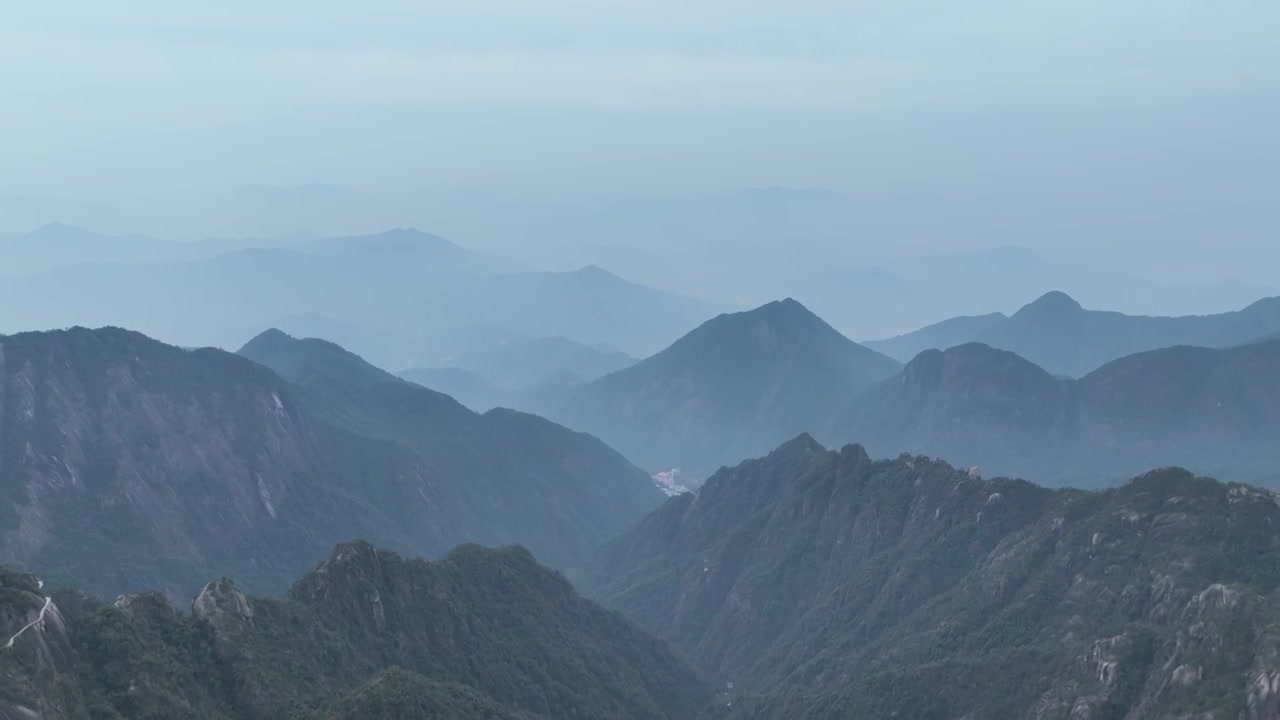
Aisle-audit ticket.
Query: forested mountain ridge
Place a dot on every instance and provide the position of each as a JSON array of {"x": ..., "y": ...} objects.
[
  {"x": 481, "y": 634},
  {"x": 825, "y": 584}
]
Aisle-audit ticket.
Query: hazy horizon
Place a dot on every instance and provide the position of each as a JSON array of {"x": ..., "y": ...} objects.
[
  {"x": 714, "y": 360},
  {"x": 841, "y": 153},
  {"x": 454, "y": 105}
]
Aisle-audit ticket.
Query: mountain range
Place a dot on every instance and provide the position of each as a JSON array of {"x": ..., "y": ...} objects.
[
  {"x": 1056, "y": 333},
  {"x": 824, "y": 584},
  {"x": 481, "y": 634},
  {"x": 1213, "y": 410},
  {"x": 404, "y": 290},
  {"x": 127, "y": 463},
  {"x": 536, "y": 375},
  {"x": 735, "y": 386},
  {"x": 807, "y": 584},
  {"x": 521, "y": 364},
  {"x": 743, "y": 382},
  {"x": 57, "y": 244}
]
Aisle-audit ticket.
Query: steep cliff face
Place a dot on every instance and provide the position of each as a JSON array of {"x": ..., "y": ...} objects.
[
  {"x": 828, "y": 585},
  {"x": 483, "y": 634}
]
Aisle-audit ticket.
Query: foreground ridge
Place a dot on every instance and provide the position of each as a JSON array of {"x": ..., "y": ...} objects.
[
  {"x": 827, "y": 584},
  {"x": 480, "y": 634}
]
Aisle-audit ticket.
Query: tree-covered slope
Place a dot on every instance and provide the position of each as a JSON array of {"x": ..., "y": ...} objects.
[
  {"x": 825, "y": 584},
  {"x": 735, "y": 386},
  {"x": 482, "y": 634}
]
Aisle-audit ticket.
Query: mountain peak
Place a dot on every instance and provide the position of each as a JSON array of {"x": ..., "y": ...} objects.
[
  {"x": 801, "y": 445},
  {"x": 787, "y": 311},
  {"x": 404, "y": 239},
  {"x": 593, "y": 270},
  {"x": 780, "y": 325},
  {"x": 972, "y": 360},
  {"x": 1053, "y": 303},
  {"x": 737, "y": 384},
  {"x": 787, "y": 305},
  {"x": 270, "y": 337},
  {"x": 60, "y": 229},
  {"x": 409, "y": 234},
  {"x": 299, "y": 360},
  {"x": 1265, "y": 306}
]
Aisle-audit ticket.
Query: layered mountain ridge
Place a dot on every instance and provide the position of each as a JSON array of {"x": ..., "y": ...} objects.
[
  {"x": 1212, "y": 410},
  {"x": 1056, "y": 333}
]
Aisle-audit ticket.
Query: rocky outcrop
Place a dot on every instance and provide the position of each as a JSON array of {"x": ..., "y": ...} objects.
[
  {"x": 35, "y": 650},
  {"x": 227, "y": 613}
]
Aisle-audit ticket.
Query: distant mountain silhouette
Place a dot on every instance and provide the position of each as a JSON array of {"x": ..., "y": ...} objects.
[
  {"x": 1216, "y": 411},
  {"x": 536, "y": 375},
  {"x": 521, "y": 364},
  {"x": 737, "y": 384},
  {"x": 56, "y": 245},
  {"x": 545, "y": 397},
  {"x": 462, "y": 385},
  {"x": 410, "y": 245},
  {"x": 946, "y": 334},
  {"x": 1056, "y": 333},
  {"x": 400, "y": 284}
]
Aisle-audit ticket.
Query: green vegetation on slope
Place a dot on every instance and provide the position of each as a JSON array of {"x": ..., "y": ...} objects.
[
  {"x": 483, "y": 634},
  {"x": 824, "y": 585}
]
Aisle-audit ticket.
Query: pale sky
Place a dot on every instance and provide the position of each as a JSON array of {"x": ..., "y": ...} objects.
[{"x": 512, "y": 96}]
